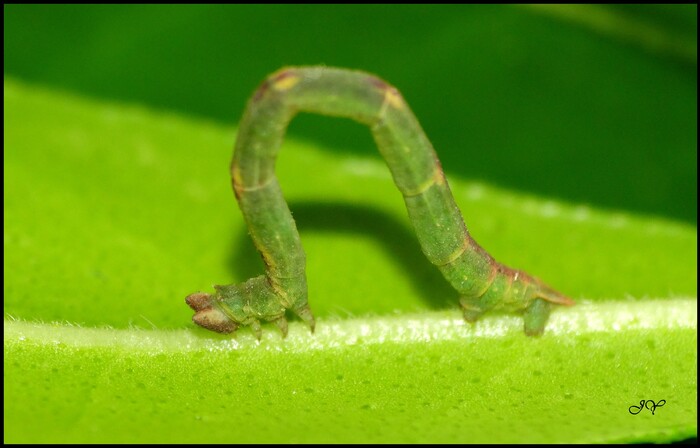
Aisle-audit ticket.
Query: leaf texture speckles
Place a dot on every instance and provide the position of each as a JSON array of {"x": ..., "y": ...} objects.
[{"x": 118, "y": 228}]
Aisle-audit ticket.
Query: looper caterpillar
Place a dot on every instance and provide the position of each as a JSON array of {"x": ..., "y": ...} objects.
[{"x": 482, "y": 282}]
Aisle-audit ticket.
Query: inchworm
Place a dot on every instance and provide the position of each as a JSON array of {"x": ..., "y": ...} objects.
[{"x": 482, "y": 282}]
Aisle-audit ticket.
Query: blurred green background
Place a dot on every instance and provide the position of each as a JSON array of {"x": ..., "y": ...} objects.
[
  {"x": 579, "y": 103},
  {"x": 591, "y": 104}
]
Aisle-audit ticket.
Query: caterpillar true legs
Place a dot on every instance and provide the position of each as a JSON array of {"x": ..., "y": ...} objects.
[{"x": 483, "y": 283}]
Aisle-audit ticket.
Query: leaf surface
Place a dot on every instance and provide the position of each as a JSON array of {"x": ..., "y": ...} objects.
[{"x": 114, "y": 213}]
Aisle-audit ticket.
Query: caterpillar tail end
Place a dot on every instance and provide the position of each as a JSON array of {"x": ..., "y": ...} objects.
[
  {"x": 514, "y": 290},
  {"x": 544, "y": 292},
  {"x": 537, "y": 313},
  {"x": 208, "y": 315}
]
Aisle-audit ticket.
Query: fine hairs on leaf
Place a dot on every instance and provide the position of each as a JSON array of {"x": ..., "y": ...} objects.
[{"x": 127, "y": 245}]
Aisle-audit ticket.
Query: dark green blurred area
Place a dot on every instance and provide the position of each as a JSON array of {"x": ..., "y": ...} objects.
[{"x": 597, "y": 106}]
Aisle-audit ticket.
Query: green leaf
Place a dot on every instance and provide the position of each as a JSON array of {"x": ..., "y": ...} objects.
[{"x": 113, "y": 214}]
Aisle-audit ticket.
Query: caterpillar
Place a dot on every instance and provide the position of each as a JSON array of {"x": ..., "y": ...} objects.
[{"x": 482, "y": 283}]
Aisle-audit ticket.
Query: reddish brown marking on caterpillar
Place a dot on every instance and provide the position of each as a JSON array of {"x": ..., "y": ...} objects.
[
  {"x": 209, "y": 316},
  {"x": 378, "y": 83},
  {"x": 238, "y": 190},
  {"x": 260, "y": 92},
  {"x": 271, "y": 82}
]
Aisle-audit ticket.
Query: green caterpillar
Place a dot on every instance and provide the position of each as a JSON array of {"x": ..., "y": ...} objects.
[{"x": 482, "y": 282}]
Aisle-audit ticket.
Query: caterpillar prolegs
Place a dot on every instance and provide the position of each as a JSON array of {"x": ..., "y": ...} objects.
[{"x": 482, "y": 282}]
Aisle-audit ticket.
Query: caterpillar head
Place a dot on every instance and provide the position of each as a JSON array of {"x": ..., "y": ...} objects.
[
  {"x": 208, "y": 313},
  {"x": 237, "y": 305}
]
